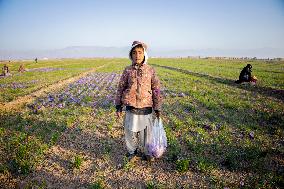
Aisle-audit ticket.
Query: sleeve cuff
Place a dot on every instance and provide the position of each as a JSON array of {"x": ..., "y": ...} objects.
[
  {"x": 118, "y": 108},
  {"x": 156, "y": 111}
]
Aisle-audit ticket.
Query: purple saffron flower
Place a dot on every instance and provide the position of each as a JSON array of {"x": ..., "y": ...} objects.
[
  {"x": 182, "y": 95},
  {"x": 251, "y": 135},
  {"x": 60, "y": 106}
]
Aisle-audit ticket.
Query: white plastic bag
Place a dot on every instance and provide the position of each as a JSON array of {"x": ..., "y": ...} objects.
[{"x": 157, "y": 141}]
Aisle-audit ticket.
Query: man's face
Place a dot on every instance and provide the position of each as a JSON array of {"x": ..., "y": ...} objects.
[{"x": 137, "y": 55}]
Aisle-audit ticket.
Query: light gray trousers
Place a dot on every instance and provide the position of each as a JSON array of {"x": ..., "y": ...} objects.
[
  {"x": 136, "y": 130},
  {"x": 135, "y": 140}
]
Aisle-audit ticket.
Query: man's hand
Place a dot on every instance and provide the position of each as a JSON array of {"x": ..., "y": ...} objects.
[
  {"x": 158, "y": 114},
  {"x": 118, "y": 112},
  {"x": 118, "y": 115}
]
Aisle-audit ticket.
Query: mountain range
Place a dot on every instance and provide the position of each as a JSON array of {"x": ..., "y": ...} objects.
[{"x": 111, "y": 52}]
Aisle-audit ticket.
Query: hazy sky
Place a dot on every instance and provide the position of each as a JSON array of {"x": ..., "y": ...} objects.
[{"x": 175, "y": 24}]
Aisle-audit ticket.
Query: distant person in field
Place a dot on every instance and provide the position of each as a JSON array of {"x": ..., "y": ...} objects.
[
  {"x": 22, "y": 68},
  {"x": 139, "y": 91},
  {"x": 5, "y": 70},
  {"x": 36, "y": 60},
  {"x": 246, "y": 75}
]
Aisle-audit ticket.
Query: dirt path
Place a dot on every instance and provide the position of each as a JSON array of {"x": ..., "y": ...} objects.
[
  {"x": 103, "y": 152},
  {"x": 21, "y": 101}
]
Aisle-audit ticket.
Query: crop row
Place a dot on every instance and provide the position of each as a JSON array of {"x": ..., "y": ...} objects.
[{"x": 96, "y": 89}]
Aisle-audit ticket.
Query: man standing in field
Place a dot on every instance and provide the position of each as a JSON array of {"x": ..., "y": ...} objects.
[{"x": 139, "y": 92}]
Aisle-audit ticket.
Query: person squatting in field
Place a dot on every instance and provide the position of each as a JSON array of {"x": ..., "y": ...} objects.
[
  {"x": 139, "y": 91},
  {"x": 21, "y": 68},
  {"x": 246, "y": 76},
  {"x": 5, "y": 71}
]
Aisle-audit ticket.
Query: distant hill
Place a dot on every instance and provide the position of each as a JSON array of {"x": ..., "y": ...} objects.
[
  {"x": 68, "y": 52},
  {"x": 259, "y": 53},
  {"x": 109, "y": 52}
]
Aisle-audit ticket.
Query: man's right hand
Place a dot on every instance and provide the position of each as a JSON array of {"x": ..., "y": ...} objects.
[
  {"x": 158, "y": 114},
  {"x": 118, "y": 115}
]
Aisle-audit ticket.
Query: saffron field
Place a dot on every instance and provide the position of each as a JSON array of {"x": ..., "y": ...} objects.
[{"x": 220, "y": 134}]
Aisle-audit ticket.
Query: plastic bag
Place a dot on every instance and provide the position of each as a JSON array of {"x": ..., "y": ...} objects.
[{"x": 157, "y": 140}]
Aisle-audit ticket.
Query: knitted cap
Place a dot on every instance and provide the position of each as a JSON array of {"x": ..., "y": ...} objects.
[{"x": 135, "y": 43}]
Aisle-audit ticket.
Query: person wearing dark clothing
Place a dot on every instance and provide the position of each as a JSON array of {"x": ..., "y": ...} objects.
[
  {"x": 245, "y": 75},
  {"x": 5, "y": 70}
]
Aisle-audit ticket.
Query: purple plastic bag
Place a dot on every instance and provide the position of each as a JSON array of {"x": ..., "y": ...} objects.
[{"x": 157, "y": 140}]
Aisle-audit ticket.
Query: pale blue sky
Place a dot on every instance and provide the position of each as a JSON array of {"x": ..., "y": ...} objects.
[{"x": 175, "y": 24}]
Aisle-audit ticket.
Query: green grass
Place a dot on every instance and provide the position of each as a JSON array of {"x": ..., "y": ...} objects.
[
  {"x": 270, "y": 74},
  {"x": 22, "y": 152},
  {"x": 225, "y": 125},
  {"x": 182, "y": 165},
  {"x": 154, "y": 185},
  {"x": 214, "y": 126},
  {"x": 77, "y": 161},
  {"x": 97, "y": 185},
  {"x": 70, "y": 68}
]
